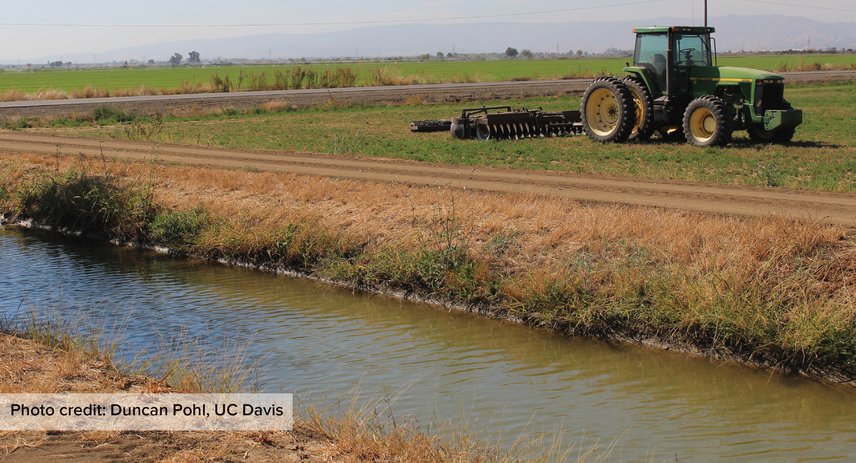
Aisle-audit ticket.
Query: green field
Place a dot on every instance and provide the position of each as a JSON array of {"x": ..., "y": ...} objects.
[
  {"x": 823, "y": 156},
  {"x": 169, "y": 79}
]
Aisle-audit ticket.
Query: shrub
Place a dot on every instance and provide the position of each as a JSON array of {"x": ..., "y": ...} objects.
[
  {"x": 109, "y": 115},
  {"x": 221, "y": 84},
  {"x": 89, "y": 204},
  {"x": 178, "y": 230}
]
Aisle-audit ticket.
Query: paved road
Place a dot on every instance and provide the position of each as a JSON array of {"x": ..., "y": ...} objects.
[
  {"x": 355, "y": 95},
  {"x": 827, "y": 207}
]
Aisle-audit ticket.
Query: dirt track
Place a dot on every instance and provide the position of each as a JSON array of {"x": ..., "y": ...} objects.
[{"x": 823, "y": 206}]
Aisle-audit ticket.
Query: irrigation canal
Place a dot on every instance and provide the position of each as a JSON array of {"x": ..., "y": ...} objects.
[{"x": 326, "y": 344}]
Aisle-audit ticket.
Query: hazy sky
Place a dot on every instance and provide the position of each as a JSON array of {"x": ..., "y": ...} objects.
[{"x": 35, "y": 29}]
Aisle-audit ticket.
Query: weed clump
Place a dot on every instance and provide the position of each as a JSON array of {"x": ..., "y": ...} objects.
[
  {"x": 106, "y": 114},
  {"x": 178, "y": 230},
  {"x": 89, "y": 204},
  {"x": 145, "y": 128},
  {"x": 18, "y": 123}
]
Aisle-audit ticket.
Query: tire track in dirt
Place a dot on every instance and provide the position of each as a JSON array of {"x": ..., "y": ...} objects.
[{"x": 823, "y": 206}]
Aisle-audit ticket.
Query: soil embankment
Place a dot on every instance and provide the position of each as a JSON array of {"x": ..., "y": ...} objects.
[
  {"x": 836, "y": 208},
  {"x": 33, "y": 367},
  {"x": 52, "y": 362}
]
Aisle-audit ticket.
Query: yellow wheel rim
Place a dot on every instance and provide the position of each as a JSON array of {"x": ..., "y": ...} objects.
[
  {"x": 602, "y": 112},
  {"x": 640, "y": 113},
  {"x": 702, "y": 124}
]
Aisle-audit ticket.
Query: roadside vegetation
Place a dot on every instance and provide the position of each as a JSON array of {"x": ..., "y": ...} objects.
[
  {"x": 60, "y": 84},
  {"x": 773, "y": 291},
  {"x": 822, "y": 157}
]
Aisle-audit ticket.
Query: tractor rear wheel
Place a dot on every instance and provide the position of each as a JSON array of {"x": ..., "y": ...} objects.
[
  {"x": 608, "y": 111},
  {"x": 644, "y": 126},
  {"x": 706, "y": 122}
]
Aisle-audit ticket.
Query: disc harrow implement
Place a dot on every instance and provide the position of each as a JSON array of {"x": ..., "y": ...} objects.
[{"x": 505, "y": 123}]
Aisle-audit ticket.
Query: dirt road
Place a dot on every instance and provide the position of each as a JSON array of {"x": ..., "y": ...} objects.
[
  {"x": 823, "y": 206},
  {"x": 450, "y": 93}
]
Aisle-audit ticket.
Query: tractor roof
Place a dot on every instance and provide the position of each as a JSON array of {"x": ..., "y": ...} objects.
[{"x": 664, "y": 29}]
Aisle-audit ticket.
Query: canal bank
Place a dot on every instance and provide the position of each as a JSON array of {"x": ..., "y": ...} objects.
[
  {"x": 44, "y": 360},
  {"x": 775, "y": 292},
  {"x": 500, "y": 382}
]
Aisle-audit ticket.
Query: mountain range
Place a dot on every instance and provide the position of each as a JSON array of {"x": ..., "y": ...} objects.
[{"x": 734, "y": 33}]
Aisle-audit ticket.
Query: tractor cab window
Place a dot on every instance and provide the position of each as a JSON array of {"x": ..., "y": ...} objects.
[
  {"x": 692, "y": 50},
  {"x": 651, "y": 52}
]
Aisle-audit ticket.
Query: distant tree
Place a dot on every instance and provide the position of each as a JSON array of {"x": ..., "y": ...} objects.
[
  {"x": 55, "y": 64},
  {"x": 151, "y": 61},
  {"x": 526, "y": 53},
  {"x": 450, "y": 55},
  {"x": 440, "y": 55},
  {"x": 425, "y": 57},
  {"x": 580, "y": 53},
  {"x": 511, "y": 52},
  {"x": 193, "y": 58},
  {"x": 175, "y": 60}
]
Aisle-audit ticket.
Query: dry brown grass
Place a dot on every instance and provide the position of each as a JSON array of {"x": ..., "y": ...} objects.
[
  {"x": 90, "y": 92},
  {"x": 13, "y": 95},
  {"x": 415, "y": 100},
  {"x": 102, "y": 92},
  {"x": 540, "y": 230},
  {"x": 276, "y": 105},
  {"x": 48, "y": 95},
  {"x": 382, "y": 76}
]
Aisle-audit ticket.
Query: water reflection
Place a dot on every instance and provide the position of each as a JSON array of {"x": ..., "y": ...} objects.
[{"x": 310, "y": 337}]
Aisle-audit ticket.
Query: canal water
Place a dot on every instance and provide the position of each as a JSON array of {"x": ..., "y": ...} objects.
[{"x": 325, "y": 344}]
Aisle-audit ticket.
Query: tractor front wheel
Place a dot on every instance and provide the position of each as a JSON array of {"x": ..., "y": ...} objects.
[
  {"x": 776, "y": 137},
  {"x": 706, "y": 122},
  {"x": 608, "y": 111}
]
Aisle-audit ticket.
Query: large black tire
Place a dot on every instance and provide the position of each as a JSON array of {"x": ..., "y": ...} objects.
[
  {"x": 644, "y": 103},
  {"x": 608, "y": 111},
  {"x": 706, "y": 122},
  {"x": 776, "y": 137}
]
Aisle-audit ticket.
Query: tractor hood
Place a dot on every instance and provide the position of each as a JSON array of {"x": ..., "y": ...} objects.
[{"x": 727, "y": 72}]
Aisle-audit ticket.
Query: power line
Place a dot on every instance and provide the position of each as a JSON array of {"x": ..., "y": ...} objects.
[
  {"x": 811, "y": 7},
  {"x": 345, "y": 23}
]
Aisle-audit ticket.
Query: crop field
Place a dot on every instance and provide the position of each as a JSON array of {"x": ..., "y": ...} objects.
[
  {"x": 117, "y": 81},
  {"x": 822, "y": 157}
]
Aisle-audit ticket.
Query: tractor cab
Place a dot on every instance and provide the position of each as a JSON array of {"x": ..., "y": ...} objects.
[{"x": 668, "y": 57}]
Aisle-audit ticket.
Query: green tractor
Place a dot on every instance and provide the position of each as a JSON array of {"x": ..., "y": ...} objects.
[{"x": 675, "y": 88}]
